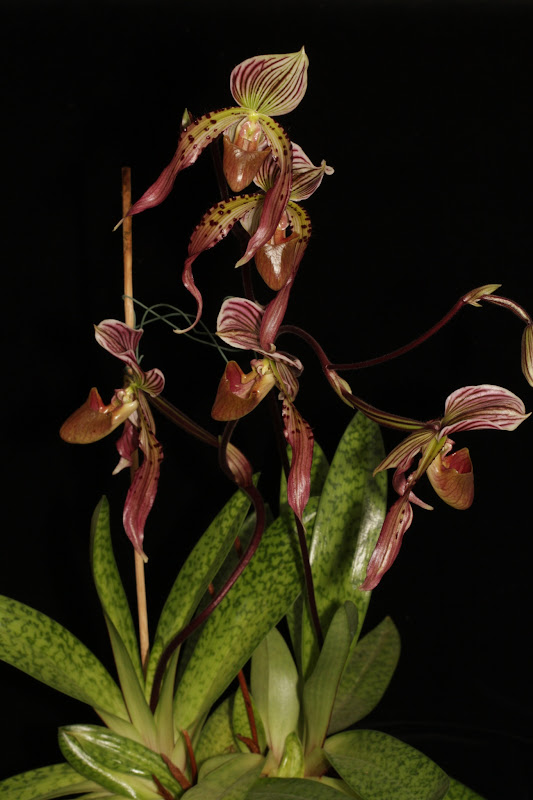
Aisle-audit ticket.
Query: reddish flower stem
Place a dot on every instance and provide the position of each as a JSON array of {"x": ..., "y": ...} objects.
[
  {"x": 254, "y": 746},
  {"x": 190, "y": 752}
]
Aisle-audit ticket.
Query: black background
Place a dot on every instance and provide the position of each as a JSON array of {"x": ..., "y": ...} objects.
[{"x": 424, "y": 110}]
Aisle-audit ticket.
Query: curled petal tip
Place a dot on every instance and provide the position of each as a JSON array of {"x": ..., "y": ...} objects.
[{"x": 476, "y": 295}]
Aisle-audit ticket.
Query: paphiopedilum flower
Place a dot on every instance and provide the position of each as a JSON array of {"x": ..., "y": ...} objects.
[
  {"x": 279, "y": 255},
  {"x": 239, "y": 324},
  {"x": 94, "y": 420},
  {"x": 263, "y": 87},
  {"x": 451, "y": 475}
]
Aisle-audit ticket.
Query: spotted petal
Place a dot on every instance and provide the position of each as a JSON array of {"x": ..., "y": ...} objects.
[
  {"x": 212, "y": 228},
  {"x": 271, "y": 84},
  {"x": 481, "y": 407},
  {"x": 193, "y": 140}
]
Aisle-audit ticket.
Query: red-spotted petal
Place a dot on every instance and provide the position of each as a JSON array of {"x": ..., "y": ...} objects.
[
  {"x": 239, "y": 322},
  {"x": 271, "y": 84},
  {"x": 397, "y": 521},
  {"x": 212, "y": 228},
  {"x": 482, "y": 407},
  {"x": 193, "y": 140},
  {"x": 452, "y": 477},
  {"x": 299, "y": 435}
]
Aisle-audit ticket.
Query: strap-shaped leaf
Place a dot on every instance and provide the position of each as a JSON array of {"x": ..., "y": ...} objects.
[
  {"x": 119, "y": 765},
  {"x": 274, "y": 683},
  {"x": 348, "y": 522},
  {"x": 459, "y": 792},
  {"x": 368, "y": 671},
  {"x": 217, "y": 733},
  {"x": 258, "y": 600},
  {"x": 377, "y": 765},
  {"x": 46, "y": 650},
  {"x": 196, "y": 575},
  {"x": 321, "y": 686},
  {"x": 291, "y": 789},
  {"x": 57, "y": 780},
  {"x": 231, "y": 779},
  {"x": 109, "y": 584}
]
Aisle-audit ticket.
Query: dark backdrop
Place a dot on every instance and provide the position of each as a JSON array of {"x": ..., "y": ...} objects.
[{"x": 424, "y": 110}]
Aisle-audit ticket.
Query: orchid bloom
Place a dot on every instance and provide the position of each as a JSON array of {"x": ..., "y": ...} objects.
[
  {"x": 279, "y": 255},
  {"x": 239, "y": 324},
  {"x": 263, "y": 87},
  {"x": 450, "y": 473},
  {"x": 94, "y": 420}
]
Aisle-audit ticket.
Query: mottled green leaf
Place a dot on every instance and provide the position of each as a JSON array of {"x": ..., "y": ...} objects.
[
  {"x": 292, "y": 789},
  {"x": 459, "y": 792},
  {"x": 36, "y": 644},
  {"x": 257, "y": 601},
  {"x": 196, "y": 575},
  {"x": 379, "y": 766},
  {"x": 217, "y": 734},
  {"x": 321, "y": 686},
  {"x": 132, "y": 691},
  {"x": 109, "y": 584},
  {"x": 274, "y": 684},
  {"x": 120, "y": 765},
  {"x": 348, "y": 522},
  {"x": 57, "y": 780},
  {"x": 368, "y": 671}
]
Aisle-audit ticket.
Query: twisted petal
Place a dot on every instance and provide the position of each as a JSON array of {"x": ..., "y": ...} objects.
[
  {"x": 397, "y": 521},
  {"x": 452, "y": 477},
  {"x": 193, "y": 140},
  {"x": 143, "y": 489},
  {"x": 277, "y": 197},
  {"x": 238, "y": 394},
  {"x": 212, "y": 228},
  {"x": 239, "y": 323},
  {"x": 94, "y": 420},
  {"x": 482, "y": 407},
  {"x": 272, "y": 84},
  {"x": 299, "y": 435},
  {"x": 128, "y": 443},
  {"x": 240, "y": 467}
]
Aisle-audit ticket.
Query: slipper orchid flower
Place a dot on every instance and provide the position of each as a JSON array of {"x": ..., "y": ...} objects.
[
  {"x": 279, "y": 256},
  {"x": 94, "y": 420},
  {"x": 239, "y": 324},
  {"x": 263, "y": 87},
  {"x": 450, "y": 473}
]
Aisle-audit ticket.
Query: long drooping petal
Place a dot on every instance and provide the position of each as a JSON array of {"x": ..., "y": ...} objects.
[
  {"x": 272, "y": 84},
  {"x": 397, "y": 521},
  {"x": 143, "y": 489},
  {"x": 193, "y": 140},
  {"x": 212, "y": 228},
  {"x": 278, "y": 196},
  {"x": 482, "y": 407},
  {"x": 299, "y": 435}
]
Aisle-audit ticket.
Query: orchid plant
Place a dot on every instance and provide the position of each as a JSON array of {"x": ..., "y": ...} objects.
[{"x": 222, "y": 704}]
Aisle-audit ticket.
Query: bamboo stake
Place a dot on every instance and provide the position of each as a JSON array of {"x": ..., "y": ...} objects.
[{"x": 129, "y": 316}]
